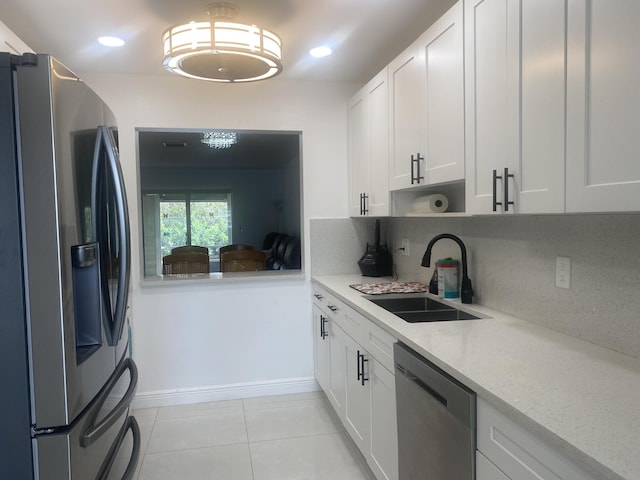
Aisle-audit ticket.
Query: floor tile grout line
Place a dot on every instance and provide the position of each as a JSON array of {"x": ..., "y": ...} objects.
[
  {"x": 246, "y": 429},
  {"x": 293, "y": 437},
  {"x": 143, "y": 454},
  {"x": 190, "y": 449}
]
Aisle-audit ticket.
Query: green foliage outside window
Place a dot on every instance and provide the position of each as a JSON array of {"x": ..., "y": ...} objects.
[{"x": 209, "y": 222}]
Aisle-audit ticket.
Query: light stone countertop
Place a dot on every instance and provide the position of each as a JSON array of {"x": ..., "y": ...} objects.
[{"x": 580, "y": 398}]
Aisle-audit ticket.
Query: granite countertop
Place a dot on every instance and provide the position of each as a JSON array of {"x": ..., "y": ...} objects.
[{"x": 580, "y": 398}]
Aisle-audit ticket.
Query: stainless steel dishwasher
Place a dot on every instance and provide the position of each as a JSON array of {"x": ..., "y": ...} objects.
[{"x": 436, "y": 421}]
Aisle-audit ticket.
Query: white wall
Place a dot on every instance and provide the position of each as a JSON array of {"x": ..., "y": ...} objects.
[{"x": 195, "y": 340}]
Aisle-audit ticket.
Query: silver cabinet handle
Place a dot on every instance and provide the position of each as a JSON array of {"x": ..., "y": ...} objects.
[
  {"x": 361, "y": 359},
  {"x": 496, "y": 177},
  {"x": 415, "y": 178},
  {"x": 506, "y": 177}
]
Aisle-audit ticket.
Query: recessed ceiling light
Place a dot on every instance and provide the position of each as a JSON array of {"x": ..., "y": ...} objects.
[
  {"x": 319, "y": 52},
  {"x": 111, "y": 41}
]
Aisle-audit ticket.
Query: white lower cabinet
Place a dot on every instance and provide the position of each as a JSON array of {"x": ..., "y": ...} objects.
[
  {"x": 359, "y": 384},
  {"x": 509, "y": 451},
  {"x": 384, "y": 429},
  {"x": 321, "y": 347},
  {"x": 485, "y": 470},
  {"x": 336, "y": 388},
  {"x": 358, "y": 409}
]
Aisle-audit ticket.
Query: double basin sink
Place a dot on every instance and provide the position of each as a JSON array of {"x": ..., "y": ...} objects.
[{"x": 419, "y": 308}]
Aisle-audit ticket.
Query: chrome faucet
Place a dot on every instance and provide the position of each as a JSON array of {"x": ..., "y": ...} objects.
[{"x": 466, "y": 290}]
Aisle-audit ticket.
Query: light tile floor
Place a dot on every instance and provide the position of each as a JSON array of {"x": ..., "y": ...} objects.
[{"x": 288, "y": 437}]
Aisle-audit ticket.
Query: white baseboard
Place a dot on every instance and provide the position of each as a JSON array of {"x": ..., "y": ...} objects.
[{"x": 165, "y": 398}]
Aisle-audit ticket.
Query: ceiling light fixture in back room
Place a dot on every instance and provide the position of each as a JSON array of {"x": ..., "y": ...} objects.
[
  {"x": 221, "y": 50},
  {"x": 219, "y": 140}
]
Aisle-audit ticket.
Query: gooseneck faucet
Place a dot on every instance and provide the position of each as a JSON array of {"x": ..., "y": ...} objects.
[{"x": 466, "y": 290}]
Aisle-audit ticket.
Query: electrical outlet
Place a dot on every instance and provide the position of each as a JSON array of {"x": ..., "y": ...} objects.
[
  {"x": 405, "y": 246},
  {"x": 563, "y": 272}
]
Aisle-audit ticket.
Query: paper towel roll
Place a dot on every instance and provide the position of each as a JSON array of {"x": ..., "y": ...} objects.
[{"x": 436, "y": 203}]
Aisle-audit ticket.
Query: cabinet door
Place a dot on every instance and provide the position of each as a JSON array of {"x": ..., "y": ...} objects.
[
  {"x": 517, "y": 452},
  {"x": 485, "y": 470},
  {"x": 514, "y": 52},
  {"x": 359, "y": 174},
  {"x": 357, "y": 408},
  {"x": 406, "y": 114},
  {"x": 603, "y": 145},
  {"x": 378, "y": 98},
  {"x": 336, "y": 392},
  {"x": 490, "y": 31},
  {"x": 321, "y": 348},
  {"x": 443, "y": 76},
  {"x": 540, "y": 164},
  {"x": 384, "y": 431},
  {"x": 10, "y": 42},
  {"x": 369, "y": 149},
  {"x": 427, "y": 106}
]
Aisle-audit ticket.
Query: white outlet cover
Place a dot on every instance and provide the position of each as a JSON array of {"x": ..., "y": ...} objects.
[{"x": 563, "y": 272}]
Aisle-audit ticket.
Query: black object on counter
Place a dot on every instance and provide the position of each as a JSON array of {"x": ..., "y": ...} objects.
[{"x": 376, "y": 261}]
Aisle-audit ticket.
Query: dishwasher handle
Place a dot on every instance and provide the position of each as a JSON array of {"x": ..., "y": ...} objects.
[
  {"x": 423, "y": 386},
  {"x": 457, "y": 398}
]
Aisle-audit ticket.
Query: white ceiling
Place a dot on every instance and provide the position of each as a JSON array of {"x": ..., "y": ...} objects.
[{"x": 365, "y": 34}]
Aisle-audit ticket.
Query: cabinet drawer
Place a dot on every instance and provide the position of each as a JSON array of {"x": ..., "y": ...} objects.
[
  {"x": 319, "y": 295},
  {"x": 327, "y": 302},
  {"x": 518, "y": 453},
  {"x": 352, "y": 323},
  {"x": 379, "y": 343},
  {"x": 485, "y": 470}
]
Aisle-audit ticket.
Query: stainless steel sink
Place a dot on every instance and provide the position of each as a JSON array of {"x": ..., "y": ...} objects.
[
  {"x": 408, "y": 304},
  {"x": 419, "y": 308},
  {"x": 435, "y": 316}
]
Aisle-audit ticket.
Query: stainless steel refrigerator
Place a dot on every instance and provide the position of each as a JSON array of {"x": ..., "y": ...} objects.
[{"x": 66, "y": 375}]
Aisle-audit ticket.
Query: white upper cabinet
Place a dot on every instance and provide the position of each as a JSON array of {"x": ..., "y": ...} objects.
[
  {"x": 426, "y": 108},
  {"x": 9, "y": 42},
  {"x": 603, "y": 144},
  {"x": 369, "y": 149},
  {"x": 515, "y": 106}
]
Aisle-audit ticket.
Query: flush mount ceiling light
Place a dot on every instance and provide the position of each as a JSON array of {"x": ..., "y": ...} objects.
[
  {"x": 221, "y": 50},
  {"x": 319, "y": 52},
  {"x": 219, "y": 139},
  {"x": 111, "y": 41}
]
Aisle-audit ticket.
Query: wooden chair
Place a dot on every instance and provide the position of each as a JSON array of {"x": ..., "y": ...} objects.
[
  {"x": 185, "y": 263},
  {"x": 234, "y": 246},
  {"x": 189, "y": 249},
  {"x": 242, "y": 260}
]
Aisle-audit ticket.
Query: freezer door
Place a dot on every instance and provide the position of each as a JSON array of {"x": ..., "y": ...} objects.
[
  {"x": 91, "y": 445},
  {"x": 70, "y": 355}
]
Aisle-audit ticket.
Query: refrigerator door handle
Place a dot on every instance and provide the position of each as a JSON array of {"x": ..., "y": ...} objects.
[
  {"x": 135, "y": 454},
  {"x": 120, "y": 313},
  {"x": 93, "y": 432},
  {"x": 130, "y": 424},
  {"x": 105, "y": 138}
]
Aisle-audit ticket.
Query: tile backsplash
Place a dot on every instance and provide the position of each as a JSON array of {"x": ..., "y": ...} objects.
[{"x": 511, "y": 262}]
